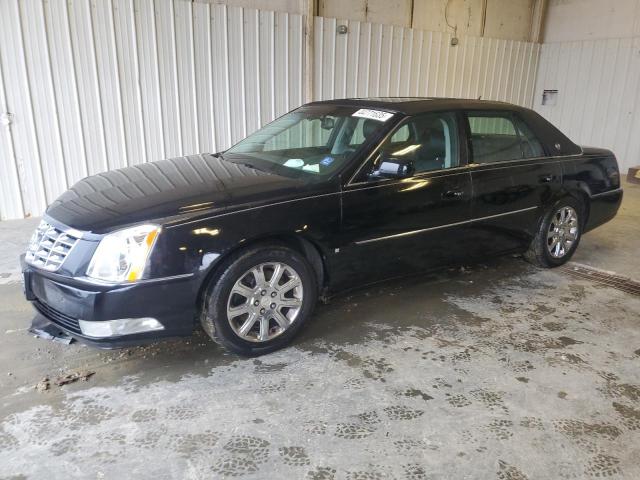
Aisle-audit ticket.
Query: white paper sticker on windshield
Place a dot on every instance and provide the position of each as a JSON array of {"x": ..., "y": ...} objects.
[
  {"x": 373, "y": 114},
  {"x": 294, "y": 163}
]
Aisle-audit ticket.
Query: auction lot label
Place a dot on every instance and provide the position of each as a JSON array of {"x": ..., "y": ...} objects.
[{"x": 373, "y": 114}]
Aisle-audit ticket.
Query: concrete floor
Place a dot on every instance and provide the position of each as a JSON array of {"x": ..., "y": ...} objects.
[{"x": 497, "y": 371}]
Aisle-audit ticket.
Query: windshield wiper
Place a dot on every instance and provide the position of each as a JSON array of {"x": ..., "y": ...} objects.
[
  {"x": 250, "y": 165},
  {"x": 238, "y": 162}
]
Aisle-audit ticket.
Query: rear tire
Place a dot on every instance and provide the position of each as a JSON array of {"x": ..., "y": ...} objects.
[
  {"x": 558, "y": 235},
  {"x": 260, "y": 300}
]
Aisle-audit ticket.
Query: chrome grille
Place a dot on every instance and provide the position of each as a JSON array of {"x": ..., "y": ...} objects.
[{"x": 49, "y": 246}]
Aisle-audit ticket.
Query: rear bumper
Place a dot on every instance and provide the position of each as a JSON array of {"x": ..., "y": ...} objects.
[
  {"x": 64, "y": 301},
  {"x": 603, "y": 207}
]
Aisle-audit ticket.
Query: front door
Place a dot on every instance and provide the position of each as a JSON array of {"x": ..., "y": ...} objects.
[{"x": 393, "y": 226}]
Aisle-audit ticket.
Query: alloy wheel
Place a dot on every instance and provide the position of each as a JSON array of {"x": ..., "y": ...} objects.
[
  {"x": 563, "y": 232},
  {"x": 265, "y": 301}
]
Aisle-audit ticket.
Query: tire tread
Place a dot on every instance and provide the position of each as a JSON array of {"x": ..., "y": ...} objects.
[
  {"x": 213, "y": 297},
  {"x": 537, "y": 253}
]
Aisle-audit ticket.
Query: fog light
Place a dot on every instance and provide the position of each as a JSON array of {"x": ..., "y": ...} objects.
[{"x": 122, "y": 326}]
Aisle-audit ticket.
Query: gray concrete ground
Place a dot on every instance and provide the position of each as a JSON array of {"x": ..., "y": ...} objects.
[{"x": 497, "y": 371}]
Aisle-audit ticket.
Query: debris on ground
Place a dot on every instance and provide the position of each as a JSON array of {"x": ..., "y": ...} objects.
[
  {"x": 42, "y": 328},
  {"x": 73, "y": 377},
  {"x": 43, "y": 385}
]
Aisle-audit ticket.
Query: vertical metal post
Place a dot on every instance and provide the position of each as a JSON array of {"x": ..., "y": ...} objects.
[{"x": 309, "y": 32}]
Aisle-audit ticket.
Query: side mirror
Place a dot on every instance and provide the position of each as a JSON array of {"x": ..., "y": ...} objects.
[{"x": 393, "y": 168}]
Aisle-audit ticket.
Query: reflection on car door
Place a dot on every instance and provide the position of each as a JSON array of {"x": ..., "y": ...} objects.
[
  {"x": 512, "y": 177},
  {"x": 394, "y": 226}
]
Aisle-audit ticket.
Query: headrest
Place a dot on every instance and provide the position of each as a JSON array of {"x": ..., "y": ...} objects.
[
  {"x": 369, "y": 127},
  {"x": 433, "y": 138}
]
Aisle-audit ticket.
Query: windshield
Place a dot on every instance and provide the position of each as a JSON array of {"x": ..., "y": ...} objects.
[{"x": 316, "y": 140}]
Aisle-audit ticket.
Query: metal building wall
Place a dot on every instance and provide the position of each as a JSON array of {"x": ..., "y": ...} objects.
[
  {"x": 94, "y": 85},
  {"x": 598, "y": 83},
  {"x": 387, "y": 60},
  {"x": 97, "y": 85}
]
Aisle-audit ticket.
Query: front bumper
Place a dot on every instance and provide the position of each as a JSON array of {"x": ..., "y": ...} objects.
[{"x": 65, "y": 301}]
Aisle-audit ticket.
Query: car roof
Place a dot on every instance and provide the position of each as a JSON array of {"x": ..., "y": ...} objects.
[{"x": 417, "y": 105}]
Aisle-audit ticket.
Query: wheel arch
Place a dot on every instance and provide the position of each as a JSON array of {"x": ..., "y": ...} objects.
[
  {"x": 309, "y": 249},
  {"x": 585, "y": 200}
]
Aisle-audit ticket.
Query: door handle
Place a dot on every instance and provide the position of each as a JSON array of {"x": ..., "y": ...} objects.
[
  {"x": 453, "y": 194},
  {"x": 546, "y": 178}
]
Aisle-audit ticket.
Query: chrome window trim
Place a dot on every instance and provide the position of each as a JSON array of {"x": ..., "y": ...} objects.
[
  {"x": 439, "y": 227},
  {"x": 517, "y": 160}
]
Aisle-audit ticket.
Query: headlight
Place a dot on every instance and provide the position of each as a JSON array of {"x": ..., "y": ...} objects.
[{"x": 122, "y": 255}]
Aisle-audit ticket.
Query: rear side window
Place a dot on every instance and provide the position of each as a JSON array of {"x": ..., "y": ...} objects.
[
  {"x": 531, "y": 146},
  {"x": 500, "y": 137}
]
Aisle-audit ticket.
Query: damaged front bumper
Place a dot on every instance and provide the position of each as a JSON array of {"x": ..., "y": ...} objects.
[{"x": 113, "y": 316}]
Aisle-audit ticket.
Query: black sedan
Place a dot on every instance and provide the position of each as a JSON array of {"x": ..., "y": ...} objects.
[{"x": 331, "y": 195}]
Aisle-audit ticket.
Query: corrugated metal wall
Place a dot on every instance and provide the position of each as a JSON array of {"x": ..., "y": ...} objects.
[
  {"x": 598, "y": 100},
  {"x": 387, "y": 60},
  {"x": 101, "y": 84},
  {"x": 94, "y": 85}
]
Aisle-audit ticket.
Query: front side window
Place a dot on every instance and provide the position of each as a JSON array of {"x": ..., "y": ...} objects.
[
  {"x": 315, "y": 140},
  {"x": 500, "y": 137},
  {"x": 425, "y": 142}
]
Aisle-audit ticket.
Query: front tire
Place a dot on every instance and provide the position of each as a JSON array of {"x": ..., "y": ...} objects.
[
  {"x": 260, "y": 300},
  {"x": 558, "y": 234}
]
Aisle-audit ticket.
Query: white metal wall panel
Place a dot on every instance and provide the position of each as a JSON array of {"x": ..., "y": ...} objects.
[
  {"x": 86, "y": 72},
  {"x": 126, "y": 51},
  {"x": 186, "y": 76},
  {"x": 168, "y": 71},
  {"x": 95, "y": 85},
  {"x": 149, "y": 79},
  {"x": 251, "y": 68},
  {"x": 203, "y": 69},
  {"x": 65, "y": 92},
  {"x": 389, "y": 60},
  {"x": 96, "y": 74},
  {"x": 267, "y": 105},
  {"x": 220, "y": 47},
  {"x": 43, "y": 96},
  {"x": 11, "y": 205},
  {"x": 235, "y": 37},
  {"x": 19, "y": 102},
  {"x": 598, "y": 83}
]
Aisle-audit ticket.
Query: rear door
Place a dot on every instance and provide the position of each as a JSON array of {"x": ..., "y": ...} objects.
[
  {"x": 512, "y": 178},
  {"x": 395, "y": 226}
]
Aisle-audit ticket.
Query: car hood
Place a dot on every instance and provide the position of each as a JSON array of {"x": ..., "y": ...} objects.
[{"x": 168, "y": 190}]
